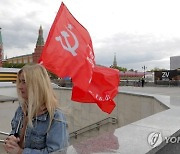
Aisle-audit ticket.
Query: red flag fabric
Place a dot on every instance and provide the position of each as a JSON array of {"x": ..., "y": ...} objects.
[
  {"x": 68, "y": 50},
  {"x": 102, "y": 89}
]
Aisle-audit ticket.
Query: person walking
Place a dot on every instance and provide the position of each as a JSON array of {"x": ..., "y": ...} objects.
[{"x": 142, "y": 81}]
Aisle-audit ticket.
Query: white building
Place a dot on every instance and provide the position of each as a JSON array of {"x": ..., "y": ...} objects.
[{"x": 174, "y": 62}]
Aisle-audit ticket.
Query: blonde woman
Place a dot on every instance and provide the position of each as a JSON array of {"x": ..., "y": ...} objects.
[{"x": 38, "y": 126}]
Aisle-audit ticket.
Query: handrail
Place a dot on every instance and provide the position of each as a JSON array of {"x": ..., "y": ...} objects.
[
  {"x": 3, "y": 133},
  {"x": 97, "y": 125},
  {"x": 2, "y": 141}
]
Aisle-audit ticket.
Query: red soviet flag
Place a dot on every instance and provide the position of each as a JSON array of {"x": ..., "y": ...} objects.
[
  {"x": 102, "y": 89},
  {"x": 68, "y": 50}
]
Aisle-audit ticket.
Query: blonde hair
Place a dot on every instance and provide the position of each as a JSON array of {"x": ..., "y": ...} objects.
[{"x": 39, "y": 90}]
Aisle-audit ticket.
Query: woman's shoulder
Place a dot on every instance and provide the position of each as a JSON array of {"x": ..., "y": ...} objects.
[
  {"x": 59, "y": 116},
  {"x": 18, "y": 112},
  {"x": 19, "y": 109}
]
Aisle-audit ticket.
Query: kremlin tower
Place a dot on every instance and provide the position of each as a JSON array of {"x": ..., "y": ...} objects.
[
  {"x": 39, "y": 46},
  {"x": 1, "y": 49},
  {"x": 115, "y": 61}
]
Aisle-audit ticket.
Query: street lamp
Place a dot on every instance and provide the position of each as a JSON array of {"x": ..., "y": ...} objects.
[{"x": 144, "y": 68}]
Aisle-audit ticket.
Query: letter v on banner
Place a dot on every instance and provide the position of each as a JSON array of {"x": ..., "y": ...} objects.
[{"x": 68, "y": 50}]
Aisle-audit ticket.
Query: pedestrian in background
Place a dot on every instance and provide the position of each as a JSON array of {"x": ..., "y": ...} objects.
[{"x": 142, "y": 81}]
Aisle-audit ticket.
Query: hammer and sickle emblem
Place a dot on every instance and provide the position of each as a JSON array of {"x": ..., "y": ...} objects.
[{"x": 67, "y": 46}]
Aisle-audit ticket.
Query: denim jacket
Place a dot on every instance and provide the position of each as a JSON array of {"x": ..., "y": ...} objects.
[{"x": 39, "y": 139}]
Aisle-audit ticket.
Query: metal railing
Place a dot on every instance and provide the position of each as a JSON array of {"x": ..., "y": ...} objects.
[
  {"x": 3, "y": 133},
  {"x": 96, "y": 125}
]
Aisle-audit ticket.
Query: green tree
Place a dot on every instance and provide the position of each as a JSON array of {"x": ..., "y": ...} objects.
[
  {"x": 52, "y": 76},
  {"x": 11, "y": 65},
  {"x": 131, "y": 70},
  {"x": 123, "y": 69},
  {"x": 157, "y": 69}
]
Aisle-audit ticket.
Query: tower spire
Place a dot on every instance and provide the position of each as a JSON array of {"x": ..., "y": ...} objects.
[
  {"x": 40, "y": 40},
  {"x": 0, "y": 37},
  {"x": 1, "y": 49},
  {"x": 39, "y": 46},
  {"x": 115, "y": 62}
]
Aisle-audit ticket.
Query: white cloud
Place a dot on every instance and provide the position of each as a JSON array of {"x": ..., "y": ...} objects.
[{"x": 140, "y": 32}]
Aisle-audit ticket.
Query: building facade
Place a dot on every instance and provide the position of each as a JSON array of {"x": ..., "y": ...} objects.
[
  {"x": 174, "y": 62},
  {"x": 21, "y": 59},
  {"x": 10, "y": 74},
  {"x": 30, "y": 58}
]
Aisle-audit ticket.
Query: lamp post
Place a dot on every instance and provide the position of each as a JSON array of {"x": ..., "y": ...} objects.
[{"x": 144, "y": 69}]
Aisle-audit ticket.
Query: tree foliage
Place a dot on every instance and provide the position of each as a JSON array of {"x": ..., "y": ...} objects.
[
  {"x": 52, "y": 75},
  {"x": 157, "y": 69},
  {"x": 119, "y": 68},
  {"x": 11, "y": 65}
]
